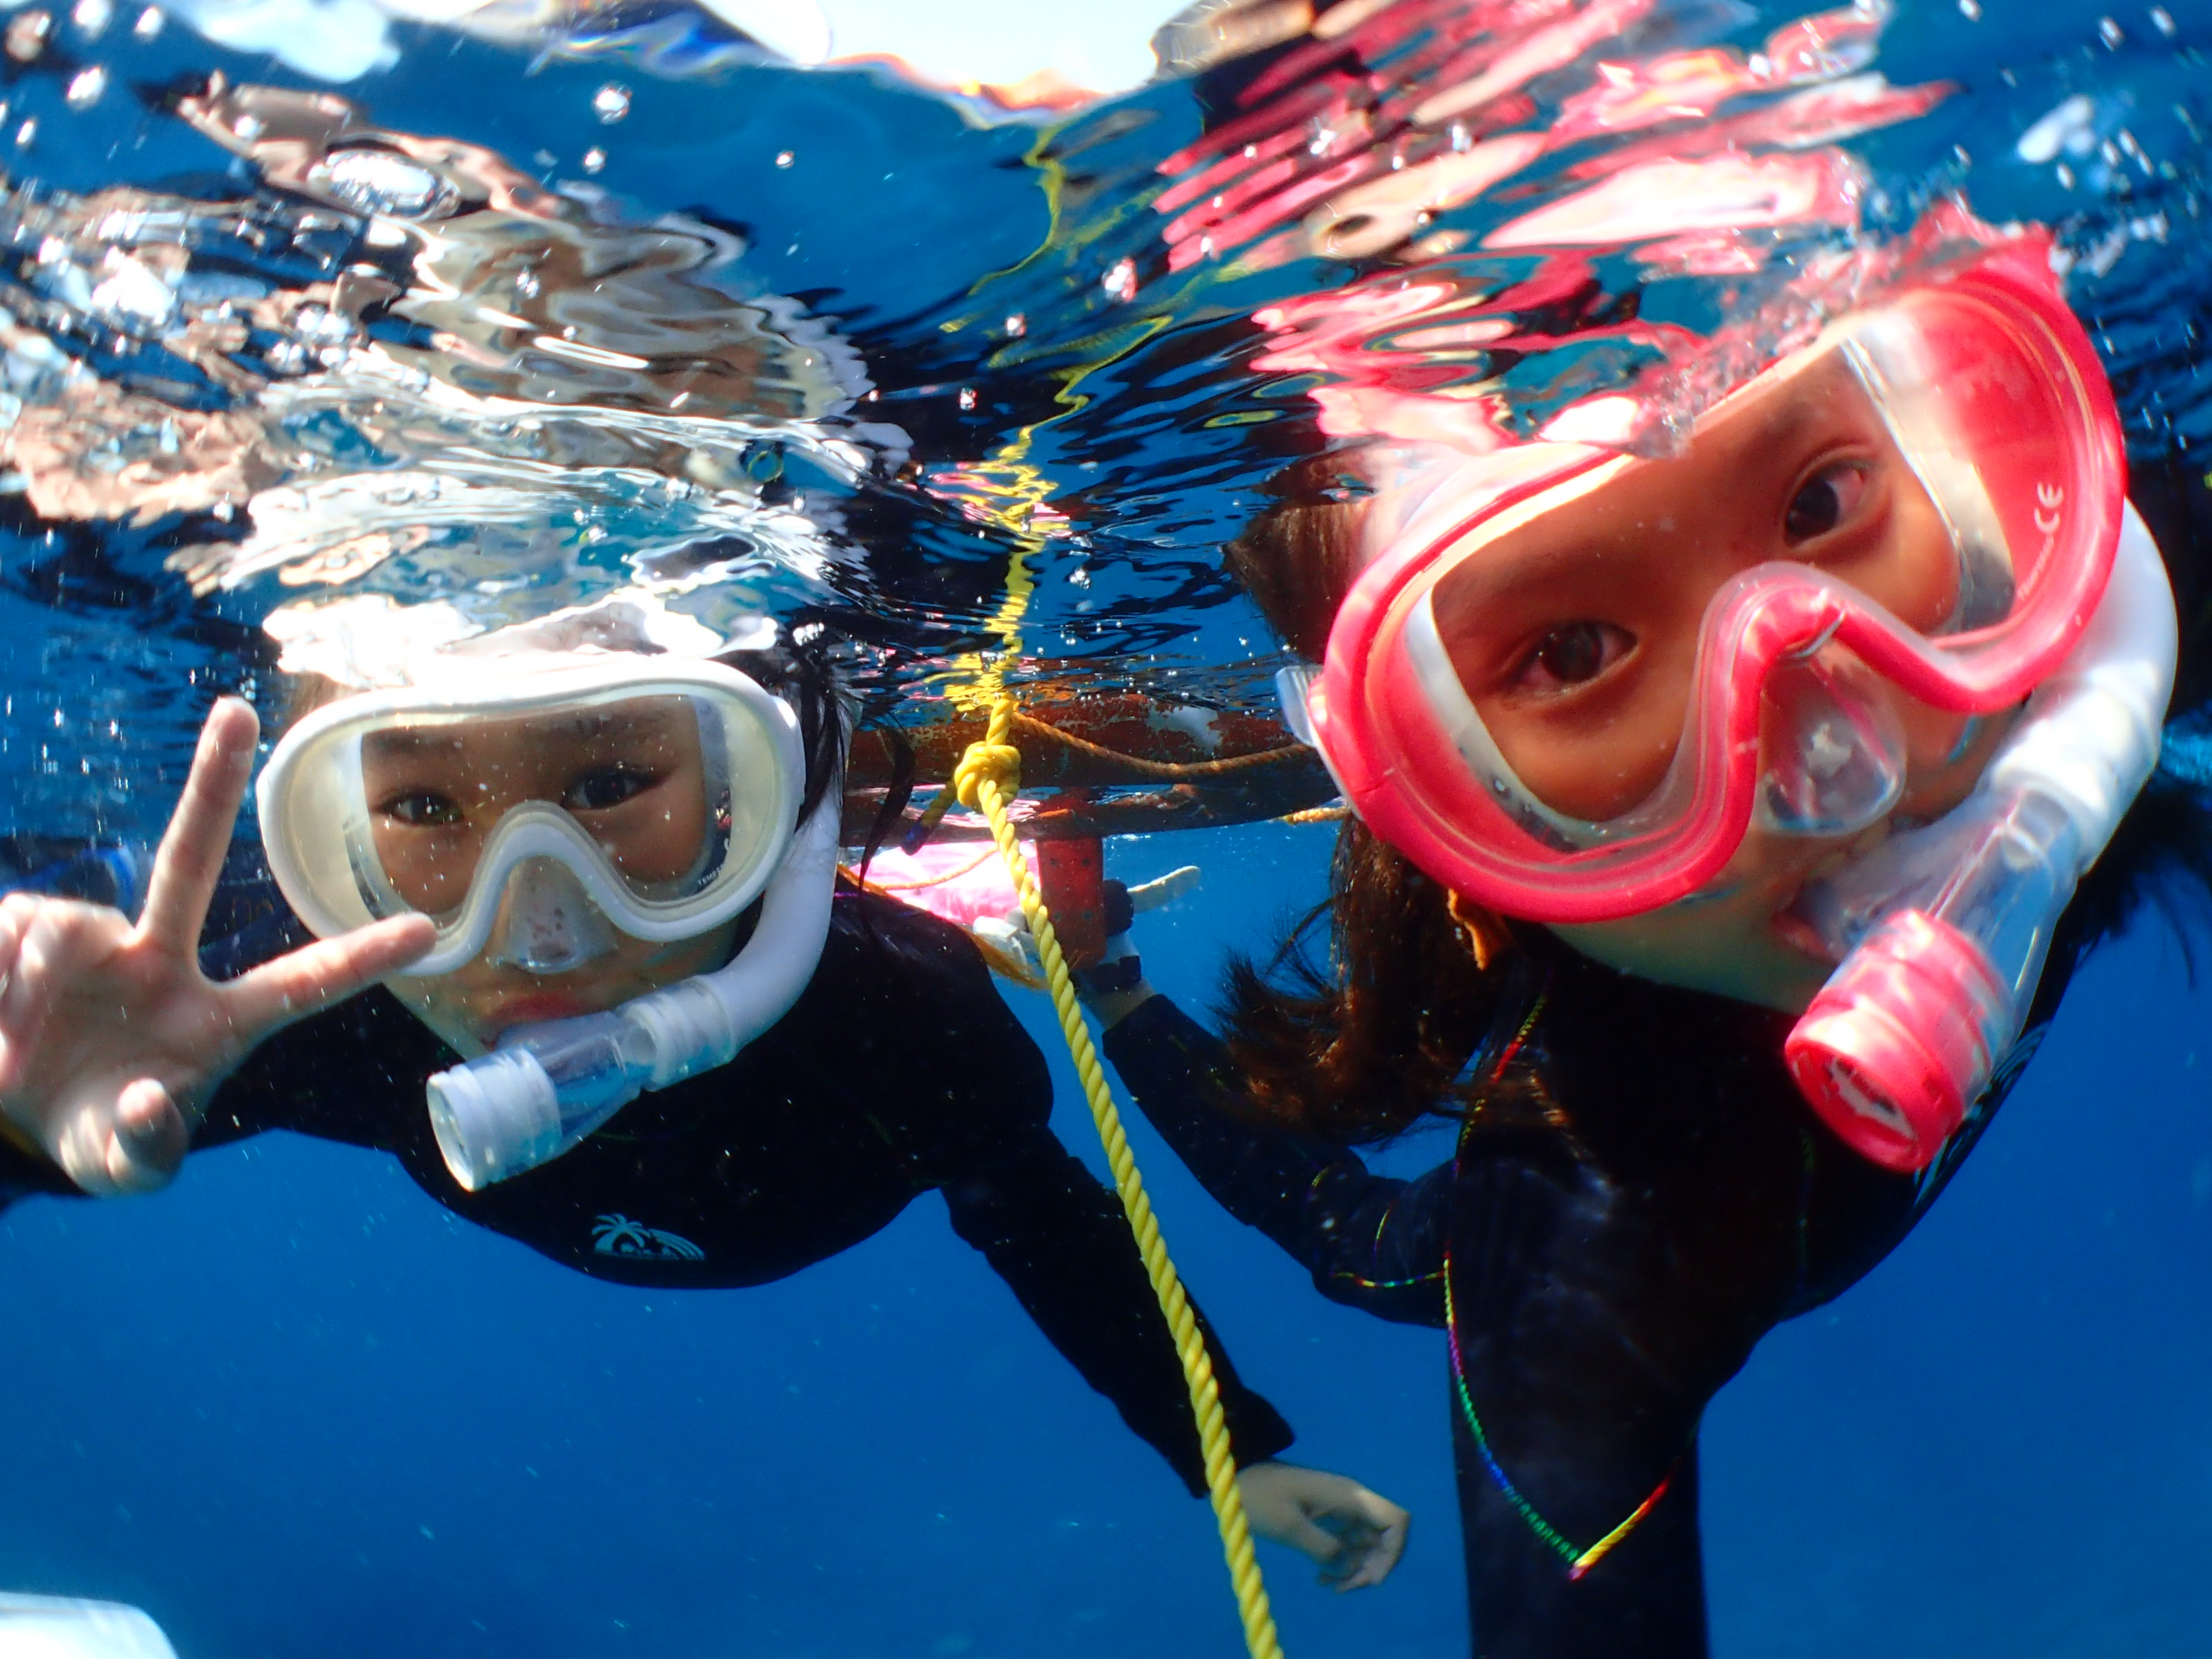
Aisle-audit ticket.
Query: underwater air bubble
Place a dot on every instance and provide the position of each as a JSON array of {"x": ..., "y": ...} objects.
[{"x": 27, "y": 35}]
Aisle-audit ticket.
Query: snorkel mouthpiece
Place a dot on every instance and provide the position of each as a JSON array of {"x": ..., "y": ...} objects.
[
  {"x": 548, "y": 1085},
  {"x": 544, "y": 1088},
  {"x": 1945, "y": 928}
]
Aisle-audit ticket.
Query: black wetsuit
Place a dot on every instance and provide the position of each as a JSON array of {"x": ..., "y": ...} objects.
[
  {"x": 1607, "y": 1244},
  {"x": 898, "y": 1071}
]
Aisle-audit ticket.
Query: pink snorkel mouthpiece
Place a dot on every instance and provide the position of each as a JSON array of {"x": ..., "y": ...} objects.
[
  {"x": 1900, "y": 1041},
  {"x": 1945, "y": 928}
]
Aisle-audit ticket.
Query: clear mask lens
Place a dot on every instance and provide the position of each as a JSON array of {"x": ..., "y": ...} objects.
[
  {"x": 636, "y": 776},
  {"x": 1827, "y": 463}
]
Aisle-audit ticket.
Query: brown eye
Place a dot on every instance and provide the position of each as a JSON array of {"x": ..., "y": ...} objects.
[
  {"x": 606, "y": 786},
  {"x": 1573, "y": 655},
  {"x": 1824, "y": 501},
  {"x": 422, "y": 809}
]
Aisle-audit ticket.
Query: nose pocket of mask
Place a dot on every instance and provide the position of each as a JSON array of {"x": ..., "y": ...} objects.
[
  {"x": 547, "y": 924},
  {"x": 1835, "y": 755}
]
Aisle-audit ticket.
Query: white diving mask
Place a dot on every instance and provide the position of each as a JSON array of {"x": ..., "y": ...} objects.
[
  {"x": 529, "y": 810},
  {"x": 544, "y": 804}
]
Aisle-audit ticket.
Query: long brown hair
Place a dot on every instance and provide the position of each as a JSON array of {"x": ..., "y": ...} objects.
[{"x": 1362, "y": 1045}]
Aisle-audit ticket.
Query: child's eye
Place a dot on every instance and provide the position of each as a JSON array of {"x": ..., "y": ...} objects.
[
  {"x": 422, "y": 809},
  {"x": 606, "y": 786},
  {"x": 1573, "y": 655},
  {"x": 1824, "y": 501}
]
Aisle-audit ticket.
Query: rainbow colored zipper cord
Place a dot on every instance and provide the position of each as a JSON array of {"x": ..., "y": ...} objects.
[{"x": 1579, "y": 1561}]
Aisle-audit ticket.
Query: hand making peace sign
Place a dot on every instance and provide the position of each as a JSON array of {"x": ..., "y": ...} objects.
[{"x": 111, "y": 1038}]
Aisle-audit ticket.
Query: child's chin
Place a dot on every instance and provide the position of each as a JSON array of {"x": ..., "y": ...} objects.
[
  {"x": 1765, "y": 976},
  {"x": 1746, "y": 963}
]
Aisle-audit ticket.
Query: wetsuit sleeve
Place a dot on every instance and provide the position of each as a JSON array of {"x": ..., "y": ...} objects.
[
  {"x": 1060, "y": 1240},
  {"x": 975, "y": 1121},
  {"x": 1369, "y": 1241},
  {"x": 348, "y": 1074}
]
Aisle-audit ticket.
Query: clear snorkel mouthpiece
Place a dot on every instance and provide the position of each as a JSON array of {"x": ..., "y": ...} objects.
[
  {"x": 1943, "y": 930},
  {"x": 546, "y": 1086},
  {"x": 542, "y": 1091}
]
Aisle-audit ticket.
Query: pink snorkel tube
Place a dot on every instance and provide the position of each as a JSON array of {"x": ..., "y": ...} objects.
[{"x": 1988, "y": 381}]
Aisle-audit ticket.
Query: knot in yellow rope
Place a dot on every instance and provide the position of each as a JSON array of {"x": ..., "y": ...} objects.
[{"x": 992, "y": 758}]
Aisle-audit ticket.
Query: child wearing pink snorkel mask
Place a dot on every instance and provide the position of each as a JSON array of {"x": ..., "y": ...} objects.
[{"x": 1727, "y": 828}]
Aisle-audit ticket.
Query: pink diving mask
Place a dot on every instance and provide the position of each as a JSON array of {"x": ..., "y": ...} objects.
[{"x": 1990, "y": 393}]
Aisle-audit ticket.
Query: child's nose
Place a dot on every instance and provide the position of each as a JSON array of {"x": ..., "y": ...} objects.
[
  {"x": 547, "y": 924},
  {"x": 1832, "y": 752}
]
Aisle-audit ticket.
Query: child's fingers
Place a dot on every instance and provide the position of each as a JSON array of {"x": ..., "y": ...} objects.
[
  {"x": 131, "y": 1142},
  {"x": 1380, "y": 1540},
  {"x": 294, "y": 986},
  {"x": 1309, "y": 1540},
  {"x": 36, "y": 952},
  {"x": 149, "y": 1138},
  {"x": 192, "y": 850}
]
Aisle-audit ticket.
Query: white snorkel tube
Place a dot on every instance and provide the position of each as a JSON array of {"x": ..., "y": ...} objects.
[
  {"x": 1943, "y": 930},
  {"x": 548, "y": 1085}
]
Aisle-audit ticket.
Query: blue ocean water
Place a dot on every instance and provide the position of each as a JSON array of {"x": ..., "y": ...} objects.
[{"x": 292, "y": 1407}]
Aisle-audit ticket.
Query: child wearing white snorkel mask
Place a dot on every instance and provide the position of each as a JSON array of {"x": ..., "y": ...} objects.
[
  {"x": 1719, "y": 821},
  {"x": 586, "y": 865}
]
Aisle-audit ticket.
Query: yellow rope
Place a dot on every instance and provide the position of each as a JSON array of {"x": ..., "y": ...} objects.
[{"x": 989, "y": 775}]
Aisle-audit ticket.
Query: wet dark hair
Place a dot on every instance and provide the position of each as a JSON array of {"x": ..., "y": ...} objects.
[{"x": 1360, "y": 1040}]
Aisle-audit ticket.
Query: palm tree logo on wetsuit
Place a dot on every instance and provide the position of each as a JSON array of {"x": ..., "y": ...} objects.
[{"x": 617, "y": 1234}]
